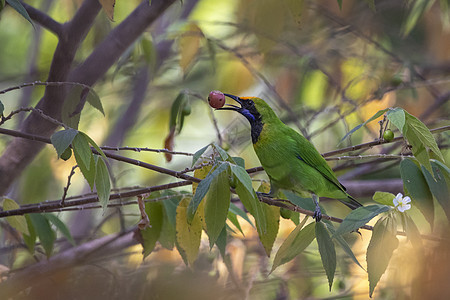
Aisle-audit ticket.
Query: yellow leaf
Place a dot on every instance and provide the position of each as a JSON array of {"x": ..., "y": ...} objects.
[
  {"x": 189, "y": 45},
  {"x": 188, "y": 235},
  {"x": 108, "y": 7},
  {"x": 17, "y": 222},
  {"x": 201, "y": 174}
]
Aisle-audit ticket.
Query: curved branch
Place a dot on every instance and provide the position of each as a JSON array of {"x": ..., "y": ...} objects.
[{"x": 44, "y": 20}]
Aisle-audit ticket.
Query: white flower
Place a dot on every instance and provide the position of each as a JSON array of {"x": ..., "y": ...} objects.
[{"x": 402, "y": 203}]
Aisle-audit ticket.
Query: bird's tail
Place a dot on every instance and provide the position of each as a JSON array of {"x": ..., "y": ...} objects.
[{"x": 351, "y": 202}]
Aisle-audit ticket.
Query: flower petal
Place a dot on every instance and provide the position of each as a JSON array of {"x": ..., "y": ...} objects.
[{"x": 397, "y": 198}]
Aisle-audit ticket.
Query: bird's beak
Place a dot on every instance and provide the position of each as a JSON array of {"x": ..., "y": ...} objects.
[{"x": 231, "y": 106}]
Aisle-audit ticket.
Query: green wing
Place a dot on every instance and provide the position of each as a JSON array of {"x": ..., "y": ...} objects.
[{"x": 309, "y": 154}]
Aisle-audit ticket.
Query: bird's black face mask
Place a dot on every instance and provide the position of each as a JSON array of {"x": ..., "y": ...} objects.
[{"x": 249, "y": 111}]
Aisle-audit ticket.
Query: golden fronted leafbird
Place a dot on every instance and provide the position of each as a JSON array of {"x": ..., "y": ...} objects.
[{"x": 289, "y": 159}]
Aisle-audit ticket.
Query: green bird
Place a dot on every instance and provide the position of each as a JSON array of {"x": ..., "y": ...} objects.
[{"x": 289, "y": 159}]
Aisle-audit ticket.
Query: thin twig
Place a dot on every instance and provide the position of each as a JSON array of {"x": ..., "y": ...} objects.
[
  {"x": 370, "y": 156},
  {"x": 282, "y": 203},
  {"x": 145, "y": 221},
  {"x": 139, "y": 149},
  {"x": 45, "y": 83},
  {"x": 28, "y": 109},
  {"x": 66, "y": 188}
]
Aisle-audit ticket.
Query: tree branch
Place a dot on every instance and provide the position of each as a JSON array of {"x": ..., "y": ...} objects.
[
  {"x": 34, "y": 274},
  {"x": 19, "y": 152},
  {"x": 44, "y": 20}
]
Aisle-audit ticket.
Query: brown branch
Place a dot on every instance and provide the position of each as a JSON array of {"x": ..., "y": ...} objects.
[
  {"x": 139, "y": 149},
  {"x": 282, "y": 203},
  {"x": 19, "y": 153},
  {"x": 35, "y": 274},
  {"x": 43, "y": 19},
  {"x": 56, "y": 204},
  {"x": 377, "y": 142}
]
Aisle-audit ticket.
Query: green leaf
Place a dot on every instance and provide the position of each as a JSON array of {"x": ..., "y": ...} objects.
[
  {"x": 176, "y": 116},
  {"x": 412, "y": 233},
  {"x": 168, "y": 233},
  {"x": 61, "y": 140},
  {"x": 223, "y": 154},
  {"x": 254, "y": 206},
  {"x": 243, "y": 177},
  {"x": 60, "y": 226},
  {"x": 343, "y": 243},
  {"x": 202, "y": 189},
  {"x": 150, "y": 235},
  {"x": 91, "y": 141},
  {"x": 90, "y": 174},
  {"x": 216, "y": 206},
  {"x": 239, "y": 161},
  {"x": 93, "y": 99},
  {"x": 418, "y": 9},
  {"x": 327, "y": 251},
  {"x": 384, "y": 198},
  {"x": 234, "y": 220},
  {"x": 397, "y": 117},
  {"x": 295, "y": 243},
  {"x": 272, "y": 214},
  {"x": 239, "y": 212},
  {"x": 381, "y": 246},
  {"x": 20, "y": 9},
  {"x": 149, "y": 52},
  {"x": 439, "y": 185},
  {"x": 71, "y": 111},
  {"x": 417, "y": 187},
  {"x": 340, "y": 4},
  {"x": 102, "y": 183},
  {"x": 82, "y": 151},
  {"x": 170, "y": 207},
  {"x": 375, "y": 116},
  {"x": 359, "y": 217},
  {"x": 421, "y": 140},
  {"x": 221, "y": 241},
  {"x": 30, "y": 239},
  {"x": 305, "y": 203},
  {"x": 17, "y": 222},
  {"x": 198, "y": 154},
  {"x": 44, "y": 231}
]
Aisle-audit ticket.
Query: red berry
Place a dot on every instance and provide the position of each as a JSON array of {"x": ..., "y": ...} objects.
[{"x": 216, "y": 99}]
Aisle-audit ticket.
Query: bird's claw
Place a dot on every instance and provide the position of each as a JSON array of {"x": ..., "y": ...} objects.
[
  {"x": 317, "y": 215},
  {"x": 260, "y": 194}
]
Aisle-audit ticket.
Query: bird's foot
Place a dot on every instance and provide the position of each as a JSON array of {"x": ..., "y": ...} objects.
[
  {"x": 317, "y": 214},
  {"x": 260, "y": 194}
]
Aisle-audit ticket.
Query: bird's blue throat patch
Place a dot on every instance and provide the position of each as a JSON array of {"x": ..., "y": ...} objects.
[
  {"x": 254, "y": 117},
  {"x": 246, "y": 113}
]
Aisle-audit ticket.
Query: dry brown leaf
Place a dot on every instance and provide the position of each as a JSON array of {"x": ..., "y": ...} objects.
[{"x": 108, "y": 6}]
